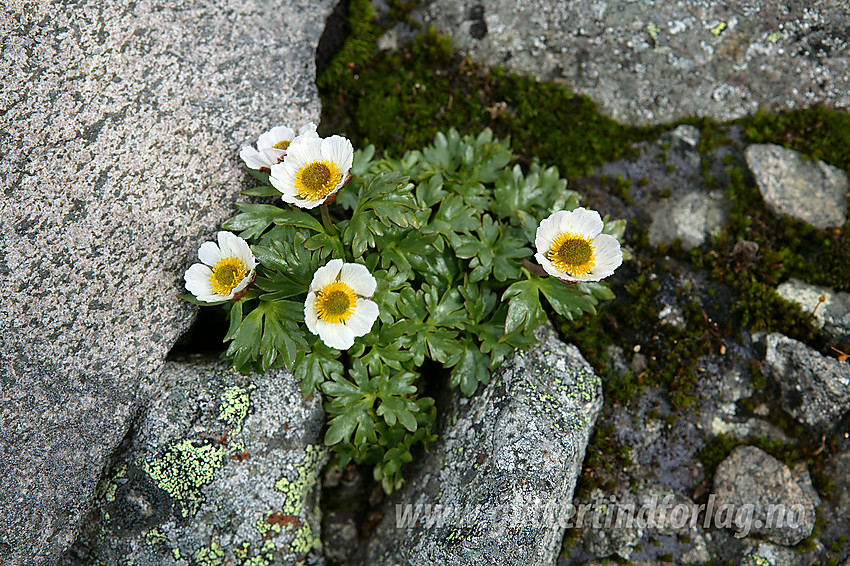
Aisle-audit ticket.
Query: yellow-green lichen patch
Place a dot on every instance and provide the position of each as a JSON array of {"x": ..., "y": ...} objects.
[
  {"x": 584, "y": 386},
  {"x": 183, "y": 470},
  {"x": 212, "y": 555},
  {"x": 153, "y": 536},
  {"x": 235, "y": 403},
  {"x": 264, "y": 526},
  {"x": 304, "y": 540},
  {"x": 241, "y": 551},
  {"x": 175, "y": 552},
  {"x": 258, "y": 561},
  {"x": 107, "y": 487},
  {"x": 761, "y": 560},
  {"x": 297, "y": 490}
]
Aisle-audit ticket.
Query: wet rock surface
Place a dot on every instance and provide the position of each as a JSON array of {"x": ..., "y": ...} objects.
[
  {"x": 751, "y": 477},
  {"x": 121, "y": 127},
  {"x": 811, "y": 191},
  {"x": 651, "y": 62},
  {"x": 222, "y": 469},
  {"x": 505, "y": 464},
  {"x": 815, "y": 389}
]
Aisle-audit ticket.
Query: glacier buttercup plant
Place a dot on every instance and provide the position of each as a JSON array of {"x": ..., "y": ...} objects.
[
  {"x": 571, "y": 246},
  {"x": 272, "y": 145},
  {"x": 424, "y": 261},
  {"x": 313, "y": 170},
  {"x": 225, "y": 271},
  {"x": 338, "y": 307}
]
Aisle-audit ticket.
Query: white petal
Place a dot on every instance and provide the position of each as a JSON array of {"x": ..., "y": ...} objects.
[
  {"x": 335, "y": 335},
  {"x": 273, "y": 156},
  {"x": 326, "y": 275},
  {"x": 358, "y": 278},
  {"x": 340, "y": 151},
  {"x": 364, "y": 316},
  {"x": 239, "y": 248},
  {"x": 609, "y": 256},
  {"x": 242, "y": 284},
  {"x": 275, "y": 136},
  {"x": 582, "y": 221},
  {"x": 209, "y": 253},
  {"x": 197, "y": 280},
  {"x": 549, "y": 267},
  {"x": 308, "y": 129},
  {"x": 303, "y": 151},
  {"x": 227, "y": 243},
  {"x": 548, "y": 231},
  {"x": 253, "y": 158},
  {"x": 310, "y": 316}
]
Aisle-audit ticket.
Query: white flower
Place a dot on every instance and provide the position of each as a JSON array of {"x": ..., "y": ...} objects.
[
  {"x": 572, "y": 247},
  {"x": 226, "y": 269},
  {"x": 314, "y": 169},
  {"x": 338, "y": 308},
  {"x": 272, "y": 145}
]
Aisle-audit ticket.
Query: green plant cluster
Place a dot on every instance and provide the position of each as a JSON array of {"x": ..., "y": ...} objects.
[{"x": 445, "y": 231}]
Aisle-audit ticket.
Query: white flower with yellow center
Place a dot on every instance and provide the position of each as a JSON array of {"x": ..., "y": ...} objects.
[
  {"x": 313, "y": 170},
  {"x": 272, "y": 145},
  {"x": 338, "y": 307},
  {"x": 227, "y": 268},
  {"x": 572, "y": 247}
]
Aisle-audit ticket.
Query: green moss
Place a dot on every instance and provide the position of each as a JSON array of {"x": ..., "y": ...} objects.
[
  {"x": 401, "y": 99},
  {"x": 183, "y": 470}
]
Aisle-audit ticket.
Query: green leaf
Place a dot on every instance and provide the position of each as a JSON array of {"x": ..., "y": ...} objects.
[
  {"x": 570, "y": 301},
  {"x": 254, "y": 220},
  {"x": 316, "y": 367},
  {"x": 190, "y": 298},
  {"x": 261, "y": 176},
  {"x": 265, "y": 191},
  {"x": 300, "y": 219},
  {"x": 472, "y": 369},
  {"x": 384, "y": 201},
  {"x": 524, "y": 310}
]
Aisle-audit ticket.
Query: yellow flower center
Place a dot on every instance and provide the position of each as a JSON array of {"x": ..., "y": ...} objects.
[
  {"x": 572, "y": 254},
  {"x": 316, "y": 180},
  {"x": 283, "y": 144},
  {"x": 227, "y": 274},
  {"x": 335, "y": 303}
]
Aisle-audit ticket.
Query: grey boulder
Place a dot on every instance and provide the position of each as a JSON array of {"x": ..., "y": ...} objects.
[
  {"x": 692, "y": 219},
  {"x": 815, "y": 388},
  {"x": 222, "y": 470},
  {"x": 497, "y": 486},
  {"x": 810, "y": 191},
  {"x": 758, "y": 495},
  {"x": 122, "y": 122},
  {"x": 657, "y": 62}
]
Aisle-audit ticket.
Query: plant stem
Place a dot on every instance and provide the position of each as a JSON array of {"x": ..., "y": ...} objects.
[
  {"x": 326, "y": 219},
  {"x": 533, "y": 267}
]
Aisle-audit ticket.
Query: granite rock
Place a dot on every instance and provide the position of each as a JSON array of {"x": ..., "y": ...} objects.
[
  {"x": 497, "y": 485},
  {"x": 656, "y": 62},
  {"x": 615, "y": 536},
  {"x": 815, "y": 388},
  {"x": 749, "y": 483},
  {"x": 693, "y": 218},
  {"x": 121, "y": 127},
  {"x": 223, "y": 466},
  {"x": 810, "y": 191},
  {"x": 833, "y": 314}
]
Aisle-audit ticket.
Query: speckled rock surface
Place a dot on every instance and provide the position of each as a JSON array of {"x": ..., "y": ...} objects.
[
  {"x": 121, "y": 127},
  {"x": 651, "y": 62},
  {"x": 815, "y": 389},
  {"x": 833, "y": 314},
  {"x": 811, "y": 191},
  {"x": 751, "y": 476},
  {"x": 692, "y": 219},
  {"x": 222, "y": 467},
  {"x": 501, "y": 474}
]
